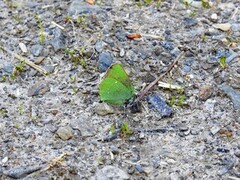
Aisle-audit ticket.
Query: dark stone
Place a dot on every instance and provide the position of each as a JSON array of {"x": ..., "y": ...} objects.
[
  {"x": 167, "y": 45},
  {"x": 99, "y": 46},
  {"x": 159, "y": 105},
  {"x": 222, "y": 150},
  {"x": 114, "y": 150},
  {"x": 21, "y": 172},
  {"x": 39, "y": 88},
  {"x": 186, "y": 69},
  {"x": 121, "y": 36},
  {"x": 157, "y": 51},
  {"x": 139, "y": 168},
  {"x": 37, "y": 50},
  {"x": 189, "y": 22},
  {"x": 8, "y": 68},
  {"x": 233, "y": 94},
  {"x": 105, "y": 60},
  {"x": 59, "y": 40}
]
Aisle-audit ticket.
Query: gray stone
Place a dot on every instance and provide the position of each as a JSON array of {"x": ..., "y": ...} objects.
[
  {"x": 103, "y": 109},
  {"x": 21, "y": 172},
  {"x": 84, "y": 126},
  {"x": 99, "y": 46},
  {"x": 111, "y": 172},
  {"x": 233, "y": 94},
  {"x": 105, "y": 60},
  {"x": 39, "y": 88},
  {"x": 114, "y": 149},
  {"x": 59, "y": 40},
  {"x": 37, "y": 50},
  {"x": 159, "y": 105},
  {"x": 65, "y": 133},
  {"x": 215, "y": 129},
  {"x": 189, "y": 22},
  {"x": 8, "y": 68}
]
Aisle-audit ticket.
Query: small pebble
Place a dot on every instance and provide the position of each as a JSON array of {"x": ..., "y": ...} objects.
[
  {"x": 21, "y": 172},
  {"x": 139, "y": 168},
  {"x": 205, "y": 92},
  {"x": 111, "y": 172},
  {"x": 223, "y": 26},
  {"x": 39, "y": 88},
  {"x": 159, "y": 105},
  {"x": 189, "y": 22},
  {"x": 37, "y": 50},
  {"x": 23, "y": 47},
  {"x": 103, "y": 109},
  {"x": 194, "y": 132},
  {"x": 99, "y": 46},
  {"x": 114, "y": 149},
  {"x": 214, "y": 17},
  {"x": 105, "y": 60},
  {"x": 59, "y": 40},
  {"x": 131, "y": 170},
  {"x": 222, "y": 150},
  {"x": 237, "y": 154},
  {"x": 65, "y": 133},
  {"x": 122, "y": 52},
  {"x": 233, "y": 94},
  {"x": 214, "y": 130}
]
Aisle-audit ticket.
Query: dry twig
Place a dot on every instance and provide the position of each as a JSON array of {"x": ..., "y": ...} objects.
[
  {"x": 161, "y": 76},
  {"x": 28, "y": 62}
]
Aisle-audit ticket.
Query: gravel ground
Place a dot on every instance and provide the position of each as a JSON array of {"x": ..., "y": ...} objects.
[{"x": 54, "y": 126}]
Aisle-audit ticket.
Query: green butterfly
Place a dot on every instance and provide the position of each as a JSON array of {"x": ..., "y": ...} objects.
[{"x": 116, "y": 87}]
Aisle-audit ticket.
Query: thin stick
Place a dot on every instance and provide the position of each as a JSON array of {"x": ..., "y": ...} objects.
[
  {"x": 161, "y": 76},
  {"x": 28, "y": 62}
]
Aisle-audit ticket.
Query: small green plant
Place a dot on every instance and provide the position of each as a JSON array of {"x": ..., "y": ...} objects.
[
  {"x": 3, "y": 111},
  {"x": 113, "y": 128},
  {"x": 205, "y": 4},
  {"x": 4, "y": 78},
  {"x": 20, "y": 111},
  {"x": 42, "y": 37},
  {"x": 68, "y": 18},
  {"x": 75, "y": 90},
  {"x": 192, "y": 13},
  {"x": 77, "y": 57},
  {"x": 203, "y": 37},
  {"x": 222, "y": 62},
  {"x": 125, "y": 129},
  {"x": 177, "y": 99},
  {"x": 18, "y": 68},
  {"x": 16, "y": 125},
  {"x": 147, "y": 1}
]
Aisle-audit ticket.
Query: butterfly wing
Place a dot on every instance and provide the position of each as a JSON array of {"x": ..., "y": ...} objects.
[{"x": 116, "y": 87}]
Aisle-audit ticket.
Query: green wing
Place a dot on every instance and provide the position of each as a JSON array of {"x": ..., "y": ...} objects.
[{"x": 116, "y": 87}]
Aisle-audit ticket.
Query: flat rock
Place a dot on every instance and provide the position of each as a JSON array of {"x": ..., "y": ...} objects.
[
  {"x": 84, "y": 126},
  {"x": 65, "y": 133},
  {"x": 111, "y": 172},
  {"x": 205, "y": 92},
  {"x": 103, "y": 109},
  {"x": 37, "y": 50},
  {"x": 21, "y": 172},
  {"x": 233, "y": 94},
  {"x": 159, "y": 105},
  {"x": 39, "y": 88},
  {"x": 105, "y": 60},
  {"x": 59, "y": 40},
  {"x": 223, "y": 26}
]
